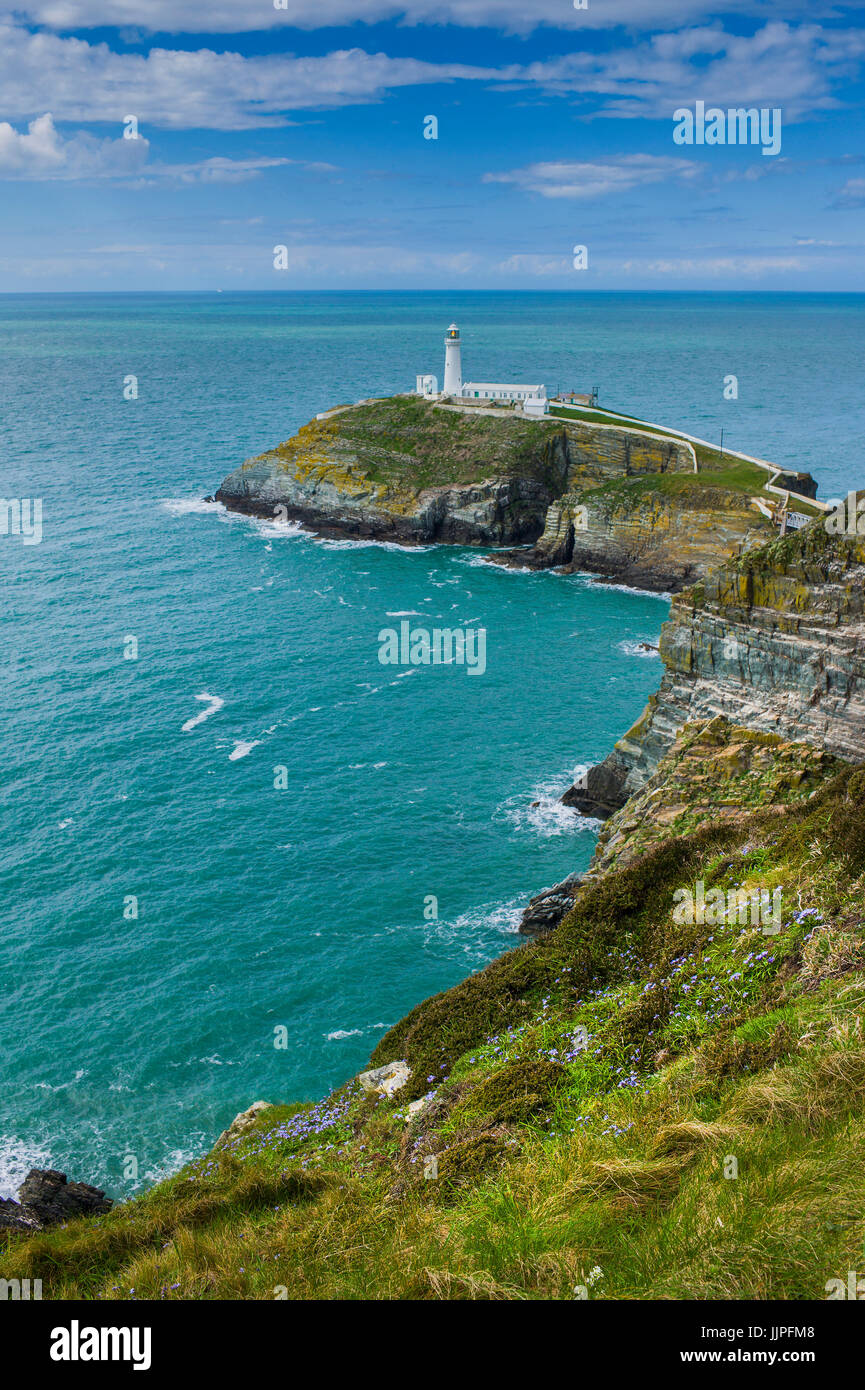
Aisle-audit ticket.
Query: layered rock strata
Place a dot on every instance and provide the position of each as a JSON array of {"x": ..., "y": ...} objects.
[
  {"x": 645, "y": 537},
  {"x": 773, "y": 642}
]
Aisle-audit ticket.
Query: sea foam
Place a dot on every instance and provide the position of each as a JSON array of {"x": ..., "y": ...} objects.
[{"x": 216, "y": 703}]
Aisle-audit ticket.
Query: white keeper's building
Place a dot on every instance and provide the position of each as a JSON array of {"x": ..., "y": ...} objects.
[{"x": 532, "y": 397}]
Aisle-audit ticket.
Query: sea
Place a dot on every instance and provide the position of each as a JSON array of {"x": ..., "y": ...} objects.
[{"x": 236, "y": 847}]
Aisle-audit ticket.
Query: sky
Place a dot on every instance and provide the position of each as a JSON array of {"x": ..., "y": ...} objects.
[{"x": 175, "y": 144}]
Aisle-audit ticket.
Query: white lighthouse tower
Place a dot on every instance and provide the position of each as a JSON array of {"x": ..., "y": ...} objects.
[{"x": 453, "y": 383}]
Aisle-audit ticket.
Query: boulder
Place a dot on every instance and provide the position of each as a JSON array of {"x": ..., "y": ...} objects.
[
  {"x": 47, "y": 1198},
  {"x": 386, "y": 1080},
  {"x": 418, "y": 1109},
  {"x": 600, "y": 791}
]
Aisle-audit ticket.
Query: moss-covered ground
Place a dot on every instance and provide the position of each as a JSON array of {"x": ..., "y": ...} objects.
[{"x": 405, "y": 441}]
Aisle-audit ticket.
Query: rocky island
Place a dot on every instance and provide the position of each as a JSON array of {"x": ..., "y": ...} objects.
[{"x": 579, "y": 490}]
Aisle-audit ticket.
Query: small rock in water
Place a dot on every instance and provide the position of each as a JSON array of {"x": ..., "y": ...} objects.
[{"x": 47, "y": 1198}]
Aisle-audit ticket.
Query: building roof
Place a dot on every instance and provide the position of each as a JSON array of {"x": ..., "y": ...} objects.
[{"x": 502, "y": 386}]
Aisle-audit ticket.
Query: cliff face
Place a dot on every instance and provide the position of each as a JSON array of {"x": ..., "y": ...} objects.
[
  {"x": 403, "y": 469},
  {"x": 773, "y": 642},
  {"x": 648, "y": 537},
  {"x": 584, "y": 528},
  {"x": 713, "y": 772},
  {"x": 558, "y": 1124},
  {"x": 605, "y": 453},
  {"x": 652, "y": 510}
]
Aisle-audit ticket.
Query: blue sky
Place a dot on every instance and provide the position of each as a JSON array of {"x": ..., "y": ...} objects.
[{"x": 303, "y": 127}]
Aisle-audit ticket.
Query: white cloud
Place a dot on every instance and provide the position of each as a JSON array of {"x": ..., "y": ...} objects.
[
  {"x": 852, "y": 195},
  {"x": 589, "y": 179},
  {"x": 215, "y": 170},
  {"x": 795, "y": 68},
  {"x": 178, "y": 89},
  {"x": 515, "y": 16},
  {"x": 42, "y": 153}
]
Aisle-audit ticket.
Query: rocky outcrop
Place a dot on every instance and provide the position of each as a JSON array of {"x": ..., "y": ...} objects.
[
  {"x": 649, "y": 538},
  {"x": 605, "y": 453},
  {"x": 713, "y": 772},
  {"x": 618, "y": 500},
  {"x": 243, "y": 1123},
  {"x": 649, "y": 510},
  {"x": 773, "y": 642},
  {"x": 546, "y": 909},
  {"x": 13, "y": 1218},
  {"x": 641, "y": 533},
  {"x": 599, "y": 791},
  {"x": 492, "y": 512},
  {"x": 47, "y": 1198},
  {"x": 386, "y": 1080},
  {"x": 406, "y": 470}
]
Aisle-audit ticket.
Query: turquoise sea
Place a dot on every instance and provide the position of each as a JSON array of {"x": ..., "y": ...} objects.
[{"x": 302, "y": 907}]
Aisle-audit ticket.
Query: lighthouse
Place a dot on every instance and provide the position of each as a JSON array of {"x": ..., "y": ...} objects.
[
  {"x": 453, "y": 383},
  {"x": 527, "y": 399}
]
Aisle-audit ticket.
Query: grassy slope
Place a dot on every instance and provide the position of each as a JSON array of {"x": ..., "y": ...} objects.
[
  {"x": 704, "y": 1042},
  {"x": 717, "y": 469},
  {"x": 404, "y": 440},
  {"x": 690, "y": 489}
]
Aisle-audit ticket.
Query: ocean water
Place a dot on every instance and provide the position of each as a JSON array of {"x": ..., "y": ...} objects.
[{"x": 165, "y": 906}]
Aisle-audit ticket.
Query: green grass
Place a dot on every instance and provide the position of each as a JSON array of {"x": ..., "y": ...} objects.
[
  {"x": 717, "y": 469},
  {"x": 408, "y": 444},
  {"x": 589, "y": 1092},
  {"x": 740, "y": 478},
  {"x": 605, "y": 417},
  {"x": 406, "y": 440}
]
